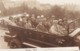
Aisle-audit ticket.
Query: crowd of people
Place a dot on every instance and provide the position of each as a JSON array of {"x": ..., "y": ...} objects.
[{"x": 39, "y": 23}]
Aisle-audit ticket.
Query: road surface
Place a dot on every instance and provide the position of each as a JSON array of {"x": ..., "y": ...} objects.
[{"x": 3, "y": 44}]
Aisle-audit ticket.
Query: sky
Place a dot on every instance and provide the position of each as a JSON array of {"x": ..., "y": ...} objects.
[
  {"x": 60, "y": 2},
  {"x": 52, "y": 2}
]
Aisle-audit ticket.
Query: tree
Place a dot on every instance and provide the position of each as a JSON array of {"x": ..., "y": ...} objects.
[
  {"x": 35, "y": 11},
  {"x": 58, "y": 12}
]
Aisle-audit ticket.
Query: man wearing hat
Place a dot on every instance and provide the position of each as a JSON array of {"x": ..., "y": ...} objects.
[{"x": 57, "y": 28}]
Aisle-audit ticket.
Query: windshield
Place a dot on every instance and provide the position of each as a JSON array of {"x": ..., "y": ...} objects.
[{"x": 73, "y": 25}]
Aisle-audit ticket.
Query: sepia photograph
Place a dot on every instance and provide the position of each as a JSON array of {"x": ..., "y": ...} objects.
[{"x": 39, "y": 23}]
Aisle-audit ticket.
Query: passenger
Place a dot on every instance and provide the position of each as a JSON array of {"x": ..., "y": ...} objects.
[
  {"x": 40, "y": 27},
  {"x": 47, "y": 24},
  {"x": 3, "y": 23},
  {"x": 23, "y": 21},
  {"x": 60, "y": 22},
  {"x": 28, "y": 25},
  {"x": 11, "y": 18},
  {"x": 52, "y": 19},
  {"x": 9, "y": 22},
  {"x": 19, "y": 22},
  {"x": 34, "y": 22},
  {"x": 57, "y": 28},
  {"x": 62, "y": 26}
]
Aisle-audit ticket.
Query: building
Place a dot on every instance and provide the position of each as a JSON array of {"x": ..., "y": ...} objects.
[{"x": 2, "y": 7}]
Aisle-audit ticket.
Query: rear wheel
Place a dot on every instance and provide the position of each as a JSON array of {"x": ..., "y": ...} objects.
[{"x": 15, "y": 44}]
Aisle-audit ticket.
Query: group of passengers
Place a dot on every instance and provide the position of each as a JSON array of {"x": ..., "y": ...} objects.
[{"x": 40, "y": 23}]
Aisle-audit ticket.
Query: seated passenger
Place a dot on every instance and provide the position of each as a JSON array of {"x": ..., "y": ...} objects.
[
  {"x": 40, "y": 27},
  {"x": 28, "y": 24},
  {"x": 34, "y": 22},
  {"x": 23, "y": 21},
  {"x": 19, "y": 22},
  {"x": 57, "y": 29},
  {"x": 47, "y": 24},
  {"x": 9, "y": 22}
]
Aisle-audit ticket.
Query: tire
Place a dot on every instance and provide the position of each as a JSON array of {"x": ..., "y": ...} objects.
[{"x": 14, "y": 43}]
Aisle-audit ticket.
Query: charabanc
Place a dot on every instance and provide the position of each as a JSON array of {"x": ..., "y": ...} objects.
[{"x": 19, "y": 37}]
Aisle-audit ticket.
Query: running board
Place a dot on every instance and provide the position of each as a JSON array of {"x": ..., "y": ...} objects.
[{"x": 30, "y": 45}]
